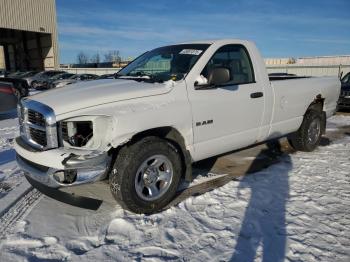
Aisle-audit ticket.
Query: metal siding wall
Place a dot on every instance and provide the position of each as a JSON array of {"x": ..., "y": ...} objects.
[
  {"x": 310, "y": 70},
  {"x": 96, "y": 71},
  {"x": 2, "y": 58},
  {"x": 30, "y": 15}
]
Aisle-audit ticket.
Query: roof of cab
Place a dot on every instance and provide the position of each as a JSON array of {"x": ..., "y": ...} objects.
[{"x": 217, "y": 41}]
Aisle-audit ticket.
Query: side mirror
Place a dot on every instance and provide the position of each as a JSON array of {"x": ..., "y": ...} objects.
[
  {"x": 340, "y": 75},
  {"x": 219, "y": 76}
]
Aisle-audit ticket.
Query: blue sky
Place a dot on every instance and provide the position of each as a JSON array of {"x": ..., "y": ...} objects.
[{"x": 280, "y": 28}]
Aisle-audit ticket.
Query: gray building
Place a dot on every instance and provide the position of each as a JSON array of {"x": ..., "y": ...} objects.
[{"x": 28, "y": 34}]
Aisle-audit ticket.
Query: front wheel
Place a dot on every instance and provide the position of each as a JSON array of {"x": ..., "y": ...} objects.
[
  {"x": 308, "y": 136},
  {"x": 146, "y": 175},
  {"x": 34, "y": 85}
]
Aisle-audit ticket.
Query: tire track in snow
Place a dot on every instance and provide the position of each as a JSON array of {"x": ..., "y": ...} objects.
[{"x": 18, "y": 210}]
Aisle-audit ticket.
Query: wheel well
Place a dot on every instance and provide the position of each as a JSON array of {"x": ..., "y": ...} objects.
[
  {"x": 317, "y": 104},
  {"x": 175, "y": 138}
]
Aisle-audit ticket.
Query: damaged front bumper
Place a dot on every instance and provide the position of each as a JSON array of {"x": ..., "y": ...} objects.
[{"x": 62, "y": 167}]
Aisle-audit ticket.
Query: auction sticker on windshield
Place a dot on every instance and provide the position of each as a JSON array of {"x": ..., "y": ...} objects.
[{"x": 191, "y": 52}]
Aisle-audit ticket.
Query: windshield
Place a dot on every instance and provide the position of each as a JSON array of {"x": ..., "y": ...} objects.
[
  {"x": 346, "y": 78},
  {"x": 165, "y": 63},
  {"x": 27, "y": 74},
  {"x": 15, "y": 74},
  {"x": 39, "y": 74}
]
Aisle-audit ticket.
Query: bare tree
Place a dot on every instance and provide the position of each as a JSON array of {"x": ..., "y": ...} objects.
[
  {"x": 95, "y": 58},
  {"x": 82, "y": 58},
  {"x": 112, "y": 56}
]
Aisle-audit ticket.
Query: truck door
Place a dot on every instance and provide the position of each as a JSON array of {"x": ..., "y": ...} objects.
[{"x": 228, "y": 116}]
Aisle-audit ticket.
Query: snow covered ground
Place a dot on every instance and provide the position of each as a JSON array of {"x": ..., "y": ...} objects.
[{"x": 294, "y": 210}]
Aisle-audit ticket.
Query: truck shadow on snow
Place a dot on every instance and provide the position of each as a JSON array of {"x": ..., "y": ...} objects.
[
  {"x": 232, "y": 165},
  {"x": 264, "y": 222},
  {"x": 7, "y": 156},
  {"x": 8, "y": 115}
]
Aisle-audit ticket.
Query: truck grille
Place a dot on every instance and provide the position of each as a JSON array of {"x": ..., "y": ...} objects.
[
  {"x": 37, "y": 124},
  {"x": 38, "y": 136},
  {"x": 36, "y": 118},
  {"x": 345, "y": 93}
]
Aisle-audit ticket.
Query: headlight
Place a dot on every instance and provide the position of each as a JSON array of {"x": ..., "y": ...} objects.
[
  {"x": 77, "y": 133},
  {"x": 88, "y": 132}
]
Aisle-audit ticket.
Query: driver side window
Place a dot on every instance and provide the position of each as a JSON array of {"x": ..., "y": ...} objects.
[{"x": 234, "y": 58}]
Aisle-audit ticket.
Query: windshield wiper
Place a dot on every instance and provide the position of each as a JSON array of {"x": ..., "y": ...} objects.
[
  {"x": 139, "y": 78},
  {"x": 152, "y": 79}
]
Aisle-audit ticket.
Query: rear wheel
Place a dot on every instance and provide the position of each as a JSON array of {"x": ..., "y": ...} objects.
[
  {"x": 308, "y": 136},
  {"x": 146, "y": 175}
]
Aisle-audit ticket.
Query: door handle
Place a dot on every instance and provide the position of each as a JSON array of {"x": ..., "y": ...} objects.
[{"x": 256, "y": 94}]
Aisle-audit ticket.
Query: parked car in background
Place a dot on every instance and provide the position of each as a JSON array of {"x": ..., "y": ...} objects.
[
  {"x": 75, "y": 79},
  {"x": 50, "y": 82},
  {"x": 34, "y": 80},
  {"x": 23, "y": 74},
  {"x": 344, "y": 98},
  {"x": 14, "y": 74},
  {"x": 21, "y": 87},
  {"x": 8, "y": 98},
  {"x": 3, "y": 73}
]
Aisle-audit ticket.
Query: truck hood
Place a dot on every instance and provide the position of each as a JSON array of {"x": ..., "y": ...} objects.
[{"x": 93, "y": 93}]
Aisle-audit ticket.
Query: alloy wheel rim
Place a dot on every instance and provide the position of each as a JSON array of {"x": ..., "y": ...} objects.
[
  {"x": 314, "y": 131},
  {"x": 154, "y": 177}
]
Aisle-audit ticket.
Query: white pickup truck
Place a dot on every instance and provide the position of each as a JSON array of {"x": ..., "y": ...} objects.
[{"x": 170, "y": 107}]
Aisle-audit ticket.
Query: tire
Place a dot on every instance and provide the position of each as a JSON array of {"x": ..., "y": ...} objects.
[
  {"x": 136, "y": 177},
  {"x": 34, "y": 85},
  {"x": 308, "y": 136}
]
